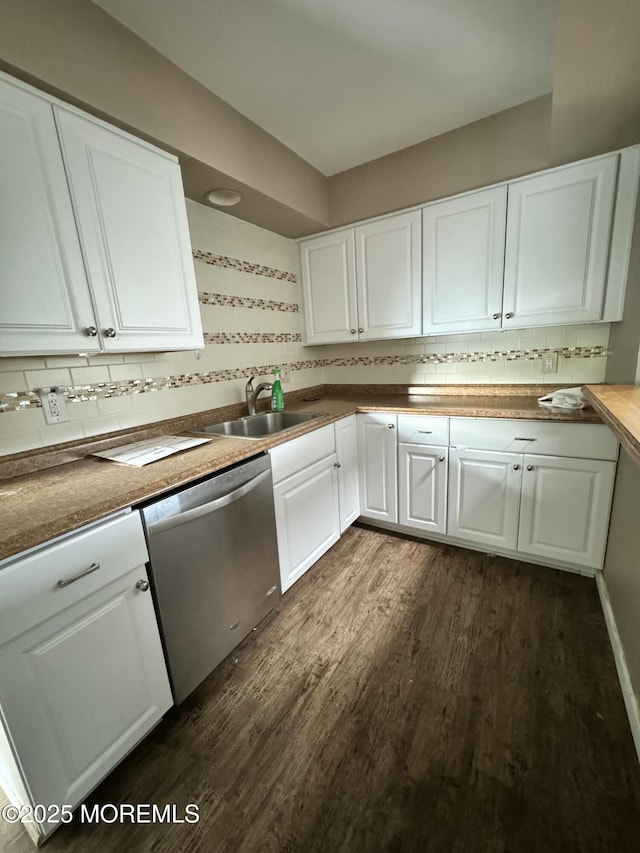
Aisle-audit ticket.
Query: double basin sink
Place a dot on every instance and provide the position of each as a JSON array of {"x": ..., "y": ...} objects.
[{"x": 260, "y": 426}]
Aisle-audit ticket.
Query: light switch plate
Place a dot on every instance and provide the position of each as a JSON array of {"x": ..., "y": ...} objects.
[{"x": 54, "y": 405}]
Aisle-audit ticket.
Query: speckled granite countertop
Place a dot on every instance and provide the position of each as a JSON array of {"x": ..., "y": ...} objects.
[
  {"x": 77, "y": 489},
  {"x": 619, "y": 406}
]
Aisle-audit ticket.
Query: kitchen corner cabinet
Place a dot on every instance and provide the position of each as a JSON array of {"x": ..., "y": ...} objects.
[
  {"x": 378, "y": 466},
  {"x": 95, "y": 252},
  {"x": 463, "y": 262},
  {"x": 348, "y": 481},
  {"x": 82, "y": 673},
  {"x": 305, "y": 494},
  {"x": 363, "y": 283}
]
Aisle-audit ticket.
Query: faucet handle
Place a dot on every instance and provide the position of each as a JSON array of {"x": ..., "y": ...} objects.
[{"x": 248, "y": 385}]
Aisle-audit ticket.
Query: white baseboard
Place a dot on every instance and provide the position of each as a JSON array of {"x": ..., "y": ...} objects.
[{"x": 630, "y": 699}]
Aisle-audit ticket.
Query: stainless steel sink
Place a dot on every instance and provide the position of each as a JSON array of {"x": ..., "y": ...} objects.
[{"x": 262, "y": 425}]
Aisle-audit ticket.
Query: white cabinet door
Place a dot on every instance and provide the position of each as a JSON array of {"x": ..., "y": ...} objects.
[
  {"x": 484, "y": 496},
  {"x": 348, "y": 481},
  {"x": 378, "y": 466},
  {"x": 329, "y": 288},
  {"x": 558, "y": 229},
  {"x": 129, "y": 206},
  {"x": 565, "y": 508},
  {"x": 307, "y": 518},
  {"x": 45, "y": 304},
  {"x": 388, "y": 264},
  {"x": 82, "y": 673},
  {"x": 463, "y": 262},
  {"x": 422, "y": 487}
]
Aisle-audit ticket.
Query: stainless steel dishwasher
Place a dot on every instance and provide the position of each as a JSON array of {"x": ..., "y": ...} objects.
[{"x": 214, "y": 567}]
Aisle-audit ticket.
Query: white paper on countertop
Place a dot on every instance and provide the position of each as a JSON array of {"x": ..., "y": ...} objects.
[
  {"x": 565, "y": 398},
  {"x": 140, "y": 453}
]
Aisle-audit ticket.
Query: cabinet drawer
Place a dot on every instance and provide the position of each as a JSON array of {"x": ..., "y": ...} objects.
[
  {"x": 289, "y": 458},
  {"x": 585, "y": 441},
  {"x": 117, "y": 547},
  {"x": 423, "y": 429}
]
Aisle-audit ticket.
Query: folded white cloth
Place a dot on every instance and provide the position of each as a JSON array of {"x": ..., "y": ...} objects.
[{"x": 565, "y": 398}]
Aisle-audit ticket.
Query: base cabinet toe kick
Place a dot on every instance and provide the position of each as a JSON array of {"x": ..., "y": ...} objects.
[{"x": 539, "y": 491}]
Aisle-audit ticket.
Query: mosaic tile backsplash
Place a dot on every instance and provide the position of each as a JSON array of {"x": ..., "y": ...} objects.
[{"x": 250, "y": 301}]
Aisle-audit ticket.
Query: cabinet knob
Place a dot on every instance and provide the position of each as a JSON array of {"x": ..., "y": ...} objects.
[
  {"x": 390, "y": 426},
  {"x": 353, "y": 331},
  {"x": 337, "y": 465},
  {"x": 441, "y": 458},
  {"x": 529, "y": 467},
  {"x": 109, "y": 333},
  {"x": 509, "y": 315},
  {"x": 497, "y": 316},
  {"x": 91, "y": 331},
  {"x": 361, "y": 330},
  {"x": 143, "y": 586},
  {"x": 516, "y": 467}
]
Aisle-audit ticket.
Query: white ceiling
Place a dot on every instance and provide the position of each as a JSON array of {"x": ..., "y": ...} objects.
[{"x": 342, "y": 82}]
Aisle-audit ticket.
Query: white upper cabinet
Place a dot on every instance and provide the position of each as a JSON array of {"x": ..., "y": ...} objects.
[
  {"x": 557, "y": 249},
  {"x": 329, "y": 287},
  {"x": 94, "y": 245},
  {"x": 463, "y": 262},
  {"x": 43, "y": 287},
  {"x": 129, "y": 206},
  {"x": 363, "y": 283},
  {"x": 388, "y": 271}
]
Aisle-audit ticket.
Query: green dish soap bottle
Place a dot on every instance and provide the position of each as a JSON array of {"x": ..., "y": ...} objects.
[{"x": 277, "y": 396}]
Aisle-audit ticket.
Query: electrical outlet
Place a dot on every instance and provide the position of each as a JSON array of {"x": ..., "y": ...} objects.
[
  {"x": 285, "y": 375},
  {"x": 54, "y": 405},
  {"x": 550, "y": 362}
]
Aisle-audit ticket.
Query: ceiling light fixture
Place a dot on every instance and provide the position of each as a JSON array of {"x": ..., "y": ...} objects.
[{"x": 224, "y": 198}]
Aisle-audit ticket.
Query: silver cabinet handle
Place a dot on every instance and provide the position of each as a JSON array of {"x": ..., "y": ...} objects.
[
  {"x": 390, "y": 426},
  {"x": 109, "y": 333},
  {"x": 361, "y": 330},
  {"x": 92, "y": 568},
  {"x": 515, "y": 438},
  {"x": 91, "y": 331},
  {"x": 337, "y": 465},
  {"x": 143, "y": 586},
  {"x": 509, "y": 315},
  {"x": 441, "y": 458},
  {"x": 425, "y": 431},
  {"x": 529, "y": 467},
  {"x": 497, "y": 316},
  {"x": 353, "y": 331},
  {"x": 516, "y": 467}
]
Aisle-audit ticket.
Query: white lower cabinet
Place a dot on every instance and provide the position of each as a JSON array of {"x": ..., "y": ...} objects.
[
  {"x": 82, "y": 673},
  {"x": 346, "y": 431},
  {"x": 378, "y": 466},
  {"x": 305, "y": 493},
  {"x": 422, "y": 472}
]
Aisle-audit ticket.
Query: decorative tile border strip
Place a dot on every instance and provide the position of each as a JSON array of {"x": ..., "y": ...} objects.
[
  {"x": 252, "y": 337},
  {"x": 223, "y": 300},
  {"x": 19, "y": 400},
  {"x": 242, "y": 266}
]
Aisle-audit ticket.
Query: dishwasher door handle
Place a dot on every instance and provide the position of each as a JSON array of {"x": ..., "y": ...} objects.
[{"x": 209, "y": 507}]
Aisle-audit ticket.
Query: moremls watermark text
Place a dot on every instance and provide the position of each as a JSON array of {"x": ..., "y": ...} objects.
[{"x": 104, "y": 813}]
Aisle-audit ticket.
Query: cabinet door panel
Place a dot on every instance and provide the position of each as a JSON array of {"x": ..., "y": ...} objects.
[
  {"x": 484, "y": 496},
  {"x": 422, "y": 487},
  {"x": 378, "y": 466},
  {"x": 129, "y": 205},
  {"x": 348, "y": 483},
  {"x": 329, "y": 288},
  {"x": 43, "y": 286},
  {"x": 558, "y": 229},
  {"x": 389, "y": 277},
  {"x": 307, "y": 518},
  {"x": 565, "y": 509},
  {"x": 463, "y": 262},
  {"x": 80, "y": 689}
]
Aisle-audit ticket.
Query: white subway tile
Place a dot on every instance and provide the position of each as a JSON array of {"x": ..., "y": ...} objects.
[
  {"x": 47, "y": 378},
  {"x": 20, "y": 441},
  {"x": 14, "y": 381},
  {"x": 90, "y": 375},
  {"x": 16, "y": 363}
]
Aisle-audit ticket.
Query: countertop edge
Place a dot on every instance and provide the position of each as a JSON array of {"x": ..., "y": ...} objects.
[{"x": 615, "y": 420}]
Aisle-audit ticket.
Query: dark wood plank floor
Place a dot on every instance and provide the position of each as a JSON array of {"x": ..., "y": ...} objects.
[{"x": 406, "y": 697}]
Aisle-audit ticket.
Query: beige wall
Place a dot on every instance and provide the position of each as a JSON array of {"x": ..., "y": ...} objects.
[
  {"x": 76, "y": 50},
  {"x": 505, "y": 145},
  {"x": 596, "y": 84}
]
